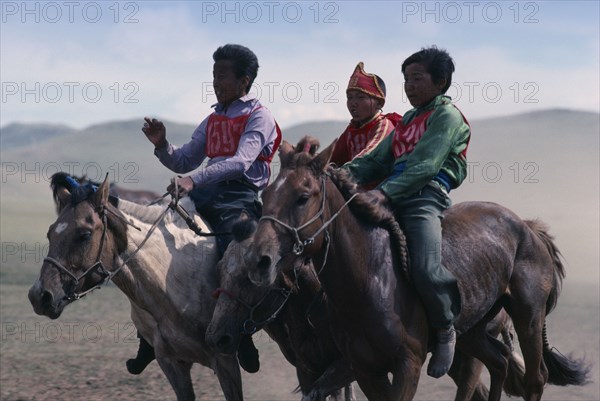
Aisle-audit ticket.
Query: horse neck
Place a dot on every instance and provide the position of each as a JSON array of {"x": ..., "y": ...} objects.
[
  {"x": 309, "y": 288},
  {"x": 163, "y": 273},
  {"x": 348, "y": 237}
]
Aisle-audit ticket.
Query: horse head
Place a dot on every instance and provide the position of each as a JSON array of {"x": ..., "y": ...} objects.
[
  {"x": 293, "y": 211},
  {"x": 242, "y": 308},
  {"x": 86, "y": 237}
]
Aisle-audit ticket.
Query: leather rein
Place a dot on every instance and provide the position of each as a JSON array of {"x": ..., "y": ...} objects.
[{"x": 107, "y": 274}]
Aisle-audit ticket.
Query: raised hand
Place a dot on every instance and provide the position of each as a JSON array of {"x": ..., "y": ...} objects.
[{"x": 155, "y": 132}]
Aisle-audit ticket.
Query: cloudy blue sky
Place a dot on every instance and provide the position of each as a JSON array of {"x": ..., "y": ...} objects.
[{"x": 81, "y": 62}]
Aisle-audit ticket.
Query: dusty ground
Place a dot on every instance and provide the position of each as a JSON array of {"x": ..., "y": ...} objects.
[{"x": 82, "y": 355}]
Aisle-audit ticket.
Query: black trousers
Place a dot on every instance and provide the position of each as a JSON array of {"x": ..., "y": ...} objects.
[{"x": 221, "y": 205}]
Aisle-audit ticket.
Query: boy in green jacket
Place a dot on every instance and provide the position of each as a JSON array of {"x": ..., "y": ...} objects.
[{"x": 421, "y": 161}]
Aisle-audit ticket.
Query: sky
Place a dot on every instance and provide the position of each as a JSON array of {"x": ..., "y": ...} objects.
[{"x": 81, "y": 63}]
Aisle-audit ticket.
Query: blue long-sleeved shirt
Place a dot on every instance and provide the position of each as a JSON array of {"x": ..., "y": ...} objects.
[{"x": 257, "y": 139}]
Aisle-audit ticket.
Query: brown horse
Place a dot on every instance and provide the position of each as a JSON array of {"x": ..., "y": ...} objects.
[
  {"x": 168, "y": 274},
  {"x": 377, "y": 319},
  {"x": 292, "y": 312}
]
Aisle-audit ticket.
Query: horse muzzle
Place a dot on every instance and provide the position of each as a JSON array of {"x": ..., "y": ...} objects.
[
  {"x": 262, "y": 272},
  {"x": 45, "y": 302},
  {"x": 222, "y": 341}
]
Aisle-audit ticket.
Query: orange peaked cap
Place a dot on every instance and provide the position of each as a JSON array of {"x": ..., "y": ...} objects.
[{"x": 365, "y": 82}]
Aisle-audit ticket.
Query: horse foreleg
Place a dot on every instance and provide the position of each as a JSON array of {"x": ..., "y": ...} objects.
[
  {"x": 349, "y": 393},
  {"x": 493, "y": 353},
  {"x": 178, "y": 374},
  {"x": 375, "y": 387},
  {"x": 336, "y": 377},
  {"x": 230, "y": 378},
  {"x": 466, "y": 371}
]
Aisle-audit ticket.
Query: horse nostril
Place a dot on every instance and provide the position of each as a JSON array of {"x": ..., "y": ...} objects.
[
  {"x": 224, "y": 341},
  {"x": 264, "y": 262},
  {"x": 47, "y": 297}
]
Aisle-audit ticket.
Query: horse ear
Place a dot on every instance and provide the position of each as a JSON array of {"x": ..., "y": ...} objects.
[
  {"x": 286, "y": 152},
  {"x": 62, "y": 197},
  {"x": 320, "y": 162},
  {"x": 101, "y": 194},
  {"x": 308, "y": 144}
]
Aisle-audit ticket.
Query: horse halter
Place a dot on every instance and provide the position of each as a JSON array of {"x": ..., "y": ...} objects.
[
  {"x": 251, "y": 326},
  {"x": 299, "y": 245},
  {"x": 107, "y": 275}
]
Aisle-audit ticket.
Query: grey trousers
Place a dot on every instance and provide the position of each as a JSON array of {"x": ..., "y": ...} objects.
[{"x": 420, "y": 217}]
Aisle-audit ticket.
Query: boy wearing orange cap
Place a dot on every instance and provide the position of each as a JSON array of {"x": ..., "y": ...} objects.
[{"x": 369, "y": 126}]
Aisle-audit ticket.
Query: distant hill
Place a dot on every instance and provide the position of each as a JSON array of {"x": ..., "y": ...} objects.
[
  {"x": 19, "y": 135},
  {"x": 541, "y": 165}
]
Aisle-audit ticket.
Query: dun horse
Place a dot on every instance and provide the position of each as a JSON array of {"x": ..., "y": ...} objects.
[
  {"x": 168, "y": 277},
  {"x": 377, "y": 319}
]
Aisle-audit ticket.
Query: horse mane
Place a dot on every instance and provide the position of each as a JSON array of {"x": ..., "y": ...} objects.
[
  {"x": 243, "y": 229},
  {"x": 370, "y": 212}
]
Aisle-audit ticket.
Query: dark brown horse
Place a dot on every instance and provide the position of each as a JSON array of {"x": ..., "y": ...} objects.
[
  {"x": 292, "y": 312},
  {"x": 168, "y": 274},
  {"x": 377, "y": 319}
]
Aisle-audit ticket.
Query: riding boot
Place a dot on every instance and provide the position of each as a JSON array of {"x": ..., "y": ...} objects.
[
  {"x": 144, "y": 356},
  {"x": 442, "y": 357},
  {"x": 248, "y": 355}
]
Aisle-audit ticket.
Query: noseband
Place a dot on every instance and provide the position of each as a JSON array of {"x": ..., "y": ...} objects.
[
  {"x": 251, "y": 326},
  {"x": 107, "y": 275},
  {"x": 299, "y": 245}
]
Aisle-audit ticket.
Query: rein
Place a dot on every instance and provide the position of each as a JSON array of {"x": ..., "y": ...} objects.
[
  {"x": 299, "y": 245},
  {"x": 107, "y": 274},
  {"x": 251, "y": 326}
]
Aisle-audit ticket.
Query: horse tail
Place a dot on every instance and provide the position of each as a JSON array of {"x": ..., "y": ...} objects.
[
  {"x": 564, "y": 370},
  {"x": 540, "y": 229}
]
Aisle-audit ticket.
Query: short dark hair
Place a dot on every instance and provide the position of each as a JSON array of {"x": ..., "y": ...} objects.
[
  {"x": 437, "y": 62},
  {"x": 244, "y": 61}
]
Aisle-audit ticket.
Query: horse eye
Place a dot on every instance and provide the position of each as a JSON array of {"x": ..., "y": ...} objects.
[
  {"x": 85, "y": 236},
  {"x": 303, "y": 199}
]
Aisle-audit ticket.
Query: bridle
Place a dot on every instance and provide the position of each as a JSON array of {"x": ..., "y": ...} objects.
[
  {"x": 251, "y": 326},
  {"x": 107, "y": 274},
  {"x": 299, "y": 245}
]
